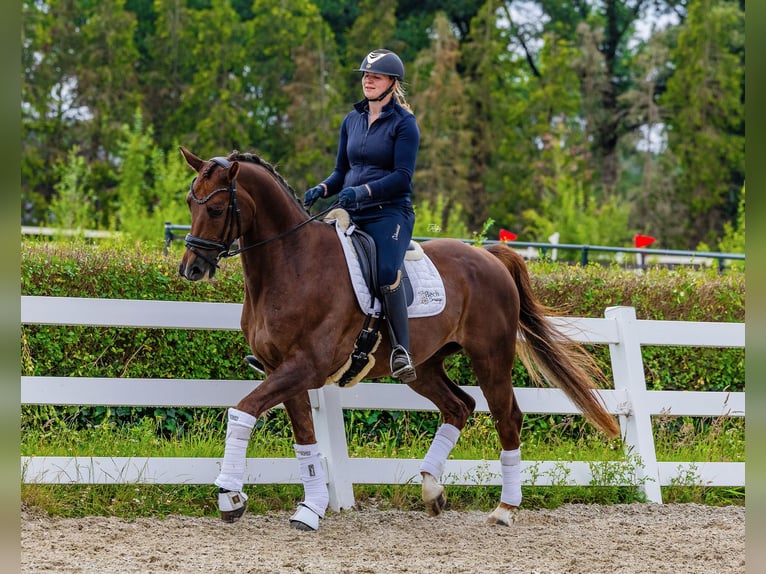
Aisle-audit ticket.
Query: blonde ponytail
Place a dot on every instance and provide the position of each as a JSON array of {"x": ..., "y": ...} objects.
[{"x": 400, "y": 96}]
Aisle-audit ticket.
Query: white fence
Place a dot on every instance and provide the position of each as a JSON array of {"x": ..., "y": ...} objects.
[{"x": 629, "y": 399}]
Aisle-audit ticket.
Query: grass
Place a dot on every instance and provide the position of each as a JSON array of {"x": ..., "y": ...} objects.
[{"x": 397, "y": 435}]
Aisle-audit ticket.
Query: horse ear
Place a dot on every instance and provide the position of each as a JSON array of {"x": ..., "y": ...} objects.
[
  {"x": 233, "y": 170},
  {"x": 192, "y": 160}
]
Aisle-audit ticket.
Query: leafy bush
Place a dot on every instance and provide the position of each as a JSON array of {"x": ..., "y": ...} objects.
[{"x": 116, "y": 271}]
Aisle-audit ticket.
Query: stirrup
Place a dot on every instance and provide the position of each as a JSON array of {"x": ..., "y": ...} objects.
[
  {"x": 255, "y": 364},
  {"x": 305, "y": 519},
  {"x": 405, "y": 371},
  {"x": 232, "y": 504}
]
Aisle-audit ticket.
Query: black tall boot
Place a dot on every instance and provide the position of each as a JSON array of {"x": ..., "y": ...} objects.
[{"x": 395, "y": 308}]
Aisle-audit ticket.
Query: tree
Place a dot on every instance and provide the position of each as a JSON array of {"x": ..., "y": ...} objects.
[
  {"x": 314, "y": 109},
  {"x": 482, "y": 55},
  {"x": 441, "y": 107},
  {"x": 289, "y": 75},
  {"x": 219, "y": 107},
  {"x": 374, "y": 28},
  {"x": 705, "y": 117},
  {"x": 169, "y": 70},
  {"x": 79, "y": 87},
  {"x": 50, "y": 52},
  {"x": 72, "y": 207}
]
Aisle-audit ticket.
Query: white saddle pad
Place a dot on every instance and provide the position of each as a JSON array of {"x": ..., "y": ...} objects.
[{"x": 427, "y": 284}]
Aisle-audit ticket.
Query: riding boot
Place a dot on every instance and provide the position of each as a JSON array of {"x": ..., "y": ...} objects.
[{"x": 395, "y": 308}]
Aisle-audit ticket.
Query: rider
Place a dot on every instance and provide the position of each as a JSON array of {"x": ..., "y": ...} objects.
[{"x": 377, "y": 149}]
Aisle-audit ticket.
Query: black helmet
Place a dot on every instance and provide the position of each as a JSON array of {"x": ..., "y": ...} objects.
[{"x": 384, "y": 62}]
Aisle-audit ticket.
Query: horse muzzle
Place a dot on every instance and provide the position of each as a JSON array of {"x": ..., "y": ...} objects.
[{"x": 195, "y": 267}]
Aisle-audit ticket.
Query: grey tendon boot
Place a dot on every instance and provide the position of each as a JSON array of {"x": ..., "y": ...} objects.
[{"x": 395, "y": 307}]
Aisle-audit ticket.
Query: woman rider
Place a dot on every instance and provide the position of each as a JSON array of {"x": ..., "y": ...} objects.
[{"x": 377, "y": 149}]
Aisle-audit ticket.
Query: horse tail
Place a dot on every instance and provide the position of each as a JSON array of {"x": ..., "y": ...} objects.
[{"x": 549, "y": 354}]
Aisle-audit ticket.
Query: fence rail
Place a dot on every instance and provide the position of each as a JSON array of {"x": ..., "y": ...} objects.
[{"x": 630, "y": 400}]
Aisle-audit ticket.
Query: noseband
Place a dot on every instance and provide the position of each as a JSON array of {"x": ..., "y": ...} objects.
[{"x": 233, "y": 225}]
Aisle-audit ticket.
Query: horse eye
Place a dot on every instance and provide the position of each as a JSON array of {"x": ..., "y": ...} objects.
[{"x": 215, "y": 211}]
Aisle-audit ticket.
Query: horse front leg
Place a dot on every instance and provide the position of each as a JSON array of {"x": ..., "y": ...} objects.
[
  {"x": 316, "y": 496},
  {"x": 456, "y": 406},
  {"x": 279, "y": 387}
]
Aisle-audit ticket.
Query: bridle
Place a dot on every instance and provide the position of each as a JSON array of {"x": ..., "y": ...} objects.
[{"x": 232, "y": 228}]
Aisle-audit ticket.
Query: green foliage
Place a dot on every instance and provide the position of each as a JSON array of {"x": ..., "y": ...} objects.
[
  {"x": 437, "y": 220},
  {"x": 72, "y": 208},
  {"x": 706, "y": 126},
  {"x": 151, "y": 186},
  {"x": 488, "y": 90},
  {"x": 568, "y": 207},
  {"x": 733, "y": 240},
  {"x": 80, "y": 270}
]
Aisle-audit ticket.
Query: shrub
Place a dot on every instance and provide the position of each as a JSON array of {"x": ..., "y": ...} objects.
[{"x": 109, "y": 271}]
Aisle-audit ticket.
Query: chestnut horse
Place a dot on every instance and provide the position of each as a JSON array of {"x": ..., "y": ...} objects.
[{"x": 300, "y": 318}]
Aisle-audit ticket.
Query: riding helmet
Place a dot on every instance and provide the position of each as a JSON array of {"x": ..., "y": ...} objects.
[{"x": 384, "y": 62}]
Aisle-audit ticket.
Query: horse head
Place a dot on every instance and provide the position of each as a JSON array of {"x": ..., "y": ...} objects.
[{"x": 216, "y": 215}]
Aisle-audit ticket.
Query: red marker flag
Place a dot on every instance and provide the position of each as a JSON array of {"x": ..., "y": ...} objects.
[
  {"x": 506, "y": 235},
  {"x": 643, "y": 241}
]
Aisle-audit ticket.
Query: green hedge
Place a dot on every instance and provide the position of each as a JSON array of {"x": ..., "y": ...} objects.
[{"x": 132, "y": 272}]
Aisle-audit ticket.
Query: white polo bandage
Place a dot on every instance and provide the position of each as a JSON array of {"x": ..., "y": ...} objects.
[
  {"x": 311, "y": 471},
  {"x": 510, "y": 468},
  {"x": 238, "y": 429},
  {"x": 444, "y": 441}
]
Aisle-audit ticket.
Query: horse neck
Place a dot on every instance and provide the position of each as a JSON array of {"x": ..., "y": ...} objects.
[
  {"x": 276, "y": 210},
  {"x": 277, "y": 213}
]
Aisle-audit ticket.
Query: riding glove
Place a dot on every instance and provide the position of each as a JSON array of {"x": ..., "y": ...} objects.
[
  {"x": 310, "y": 197},
  {"x": 352, "y": 195}
]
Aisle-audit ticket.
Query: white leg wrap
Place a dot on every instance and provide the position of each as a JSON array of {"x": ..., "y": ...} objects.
[
  {"x": 315, "y": 493},
  {"x": 510, "y": 467},
  {"x": 444, "y": 441},
  {"x": 238, "y": 430}
]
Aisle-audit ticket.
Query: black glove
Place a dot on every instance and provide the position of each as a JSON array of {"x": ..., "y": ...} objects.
[
  {"x": 352, "y": 195},
  {"x": 310, "y": 197}
]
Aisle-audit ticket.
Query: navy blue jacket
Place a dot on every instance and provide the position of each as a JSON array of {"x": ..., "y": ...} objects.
[{"x": 382, "y": 156}]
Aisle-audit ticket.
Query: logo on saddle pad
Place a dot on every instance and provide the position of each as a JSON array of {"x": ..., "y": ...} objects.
[{"x": 429, "y": 295}]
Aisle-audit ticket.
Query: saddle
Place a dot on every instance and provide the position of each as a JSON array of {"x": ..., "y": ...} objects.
[
  {"x": 366, "y": 252},
  {"x": 361, "y": 359}
]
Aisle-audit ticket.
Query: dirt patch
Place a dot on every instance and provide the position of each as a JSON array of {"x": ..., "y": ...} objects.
[{"x": 577, "y": 539}]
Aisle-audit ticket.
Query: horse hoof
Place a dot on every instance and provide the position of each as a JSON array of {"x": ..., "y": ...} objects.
[
  {"x": 437, "y": 505},
  {"x": 503, "y": 515},
  {"x": 305, "y": 519},
  {"x": 434, "y": 496},
  {"x": 232, "y": 504}
]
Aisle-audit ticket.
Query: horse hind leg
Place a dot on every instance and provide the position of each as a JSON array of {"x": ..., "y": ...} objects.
[
  {"x": 456, "y": 406},
  {"x": 494, "y": 377}
]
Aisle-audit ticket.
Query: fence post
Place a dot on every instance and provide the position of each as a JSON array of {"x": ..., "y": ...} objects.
[
  {"x": 331, "y": 436},
  {"x": 628, "y": 369}
]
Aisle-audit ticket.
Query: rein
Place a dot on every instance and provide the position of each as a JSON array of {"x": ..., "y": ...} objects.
[{"x": 193, "y": 243}]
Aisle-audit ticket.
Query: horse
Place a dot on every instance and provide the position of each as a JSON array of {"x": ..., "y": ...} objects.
[{"x": 300, "y": 318}]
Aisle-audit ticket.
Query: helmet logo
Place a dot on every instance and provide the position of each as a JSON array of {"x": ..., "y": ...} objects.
[{"x": 373, "y": 56}]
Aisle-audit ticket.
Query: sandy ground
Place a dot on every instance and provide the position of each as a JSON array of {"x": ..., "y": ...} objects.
[{"x": 582, "y": 539}]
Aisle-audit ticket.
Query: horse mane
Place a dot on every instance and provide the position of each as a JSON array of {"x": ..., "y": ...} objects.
[{"x": 256, "y": 159}]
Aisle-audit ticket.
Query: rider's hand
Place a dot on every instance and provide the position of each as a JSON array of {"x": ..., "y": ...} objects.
[
  {"x": 310, "y": 197},
  {"x": 352, "y": 195}
]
